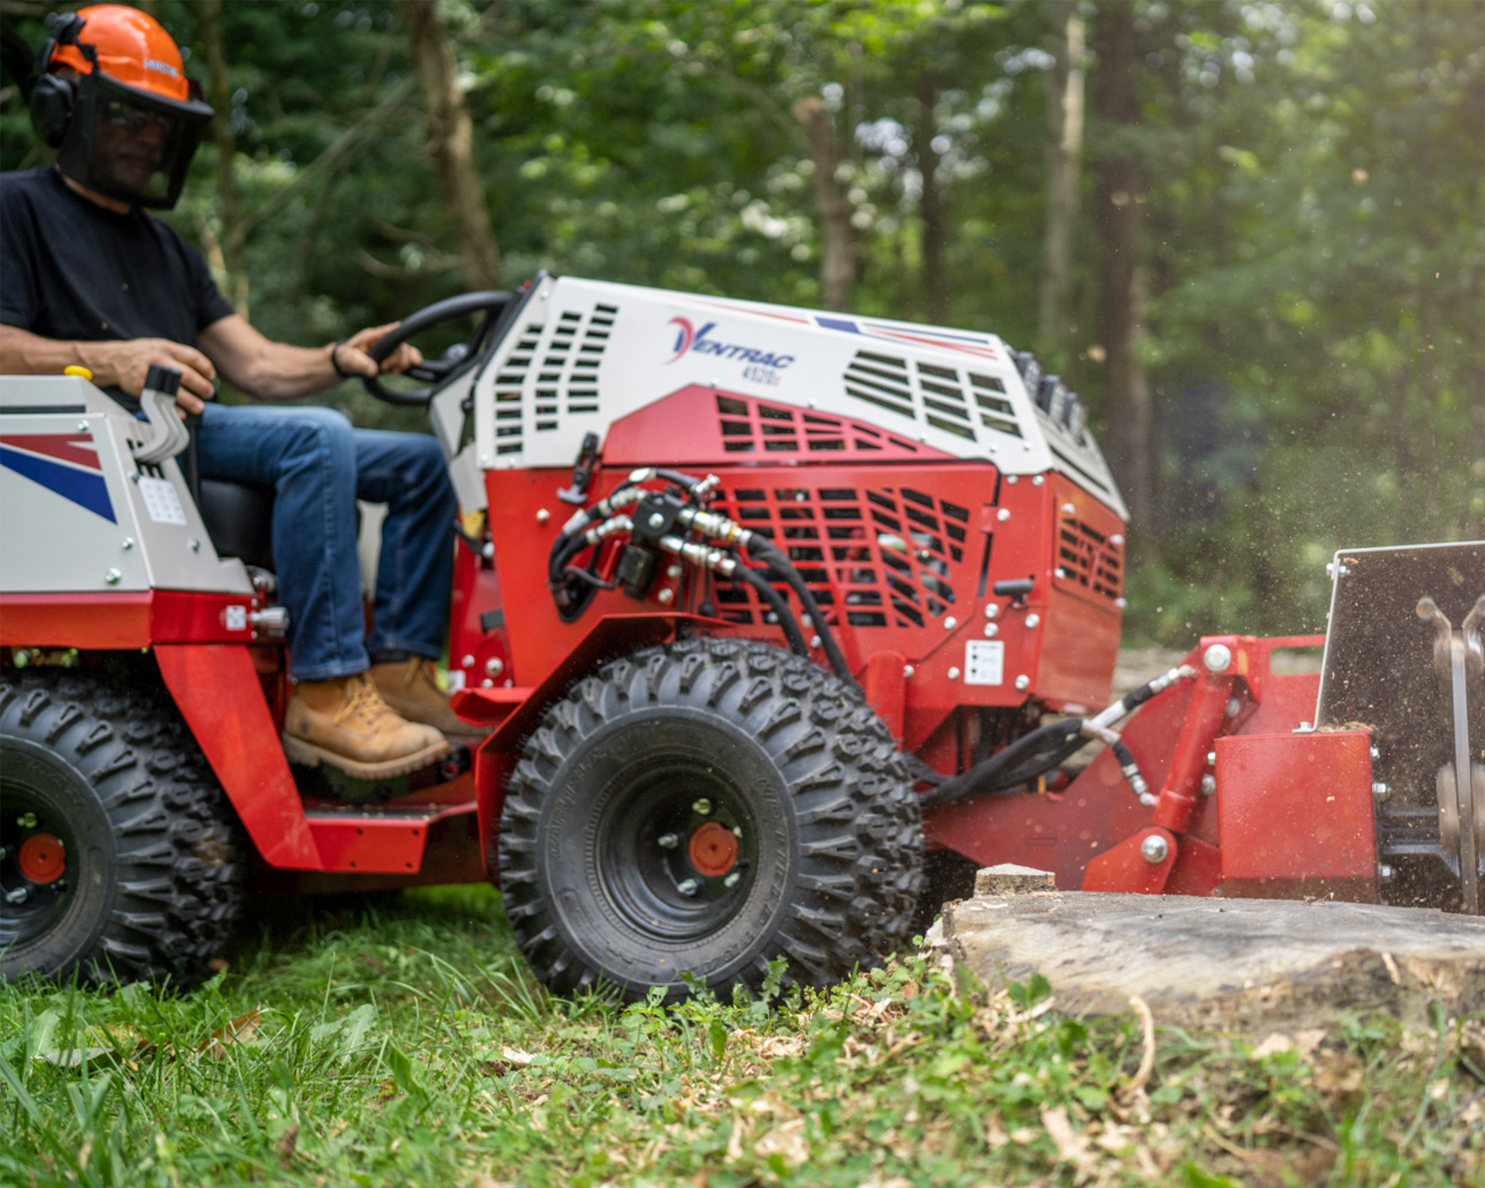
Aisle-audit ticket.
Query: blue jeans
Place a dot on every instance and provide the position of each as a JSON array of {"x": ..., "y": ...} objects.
[{"x": 318, "y": 467}]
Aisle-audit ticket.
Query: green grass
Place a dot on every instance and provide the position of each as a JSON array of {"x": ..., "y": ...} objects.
[{"x": 401, "y": 1041}]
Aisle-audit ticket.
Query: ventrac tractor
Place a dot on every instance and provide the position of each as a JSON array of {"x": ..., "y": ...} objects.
[{"x": 767, "y": 610}]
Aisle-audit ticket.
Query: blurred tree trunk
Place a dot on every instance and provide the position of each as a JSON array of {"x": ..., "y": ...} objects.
[
  {"x": 935, "y": 291},
  {"x": 832, "y": 204},
  {"x": 451, "y": 140},
  {"x": 1118, "y": 197},
  {"x": 232, "y": 235},
  {"x": 1064, "y": 150}
]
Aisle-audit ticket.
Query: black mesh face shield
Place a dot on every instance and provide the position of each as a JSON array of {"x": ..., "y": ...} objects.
[{"x": 128, "y": 144}]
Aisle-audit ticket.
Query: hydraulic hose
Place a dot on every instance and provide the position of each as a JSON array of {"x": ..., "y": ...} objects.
[
  {"x": 776, "y": 603},
  {"x": 766, "y": 551},
  {"x": 1031, "y": 755},
  {"x": 1042, "y": 750}
]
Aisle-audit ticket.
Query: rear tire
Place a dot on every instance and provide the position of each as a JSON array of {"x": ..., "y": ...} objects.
[
  {"x": 703, "y": 808},
  {"x": 150, "y": 881}
]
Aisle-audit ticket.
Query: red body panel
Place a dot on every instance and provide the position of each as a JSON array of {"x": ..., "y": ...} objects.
[
  {"x": 1295, "y": 815},
  {"x": 131, "y": 619},
  {"x": 216, "y": 689}
]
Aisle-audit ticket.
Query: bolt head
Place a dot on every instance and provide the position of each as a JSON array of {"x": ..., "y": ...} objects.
[
  {"x": 907, "y": 671},
  {"x": 127, "y": 543},
  {"x": 467, "y": 662},
  {"x": 1211, "y": 758},
  {"x": 688, "y": 887},
  {"x": 1208, "y": 785},
  {"x": 542, "y": 516},
  {"x": 494, "y": 666},
  {"x": 992, "y": 610},
  {"x": 1234, "y": 707},
  {"x": 701, "y": 806},
  {"x": 1038, "y": 481},
  {"x": 1023, "y": 683},
  {"x": 673, "y": 571},
  {"x": 657, "y": 520},
  {"x": 1033, "y": 620},
  {"x": 953, "y": 674},
  {"x": 1003, "y": 515},
  {"x": 113, "y": 576},
  {"x": 1381, "y": 791},
  {"x": 1154, "y": 849},
  {"x": 1384, "y": 871},
  {"x": 950, "y": 623},
  {"x": 665, "y": 595},
  {"x": 991, "y": 630},
  {"x": 1217, "y": 658}
]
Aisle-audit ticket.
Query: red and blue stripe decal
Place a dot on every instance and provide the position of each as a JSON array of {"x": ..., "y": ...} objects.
[{"x": 65, "y": 463}]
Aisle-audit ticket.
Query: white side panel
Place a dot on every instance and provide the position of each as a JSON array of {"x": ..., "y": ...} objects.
[
  {"x": 72, "y": 516},
  {"x": 585, "y": 353}
]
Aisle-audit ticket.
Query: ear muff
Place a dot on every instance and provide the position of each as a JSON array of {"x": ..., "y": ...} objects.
[
  {"x": 52, "y": 101},
  {"x": 53, "y": 98}
]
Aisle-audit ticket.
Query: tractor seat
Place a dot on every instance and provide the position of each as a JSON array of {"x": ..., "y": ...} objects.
[{"x": 239, "y": 520}]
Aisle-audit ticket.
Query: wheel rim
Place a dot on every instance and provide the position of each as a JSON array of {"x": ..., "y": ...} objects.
[
  {"x": 664, "y": 858},
  {"x": 36, "y": 881}
]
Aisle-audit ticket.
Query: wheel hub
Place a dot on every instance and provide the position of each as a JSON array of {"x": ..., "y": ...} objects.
[
  {"x": 42, "y": 858},
  {"x": 713, "y": 849}
]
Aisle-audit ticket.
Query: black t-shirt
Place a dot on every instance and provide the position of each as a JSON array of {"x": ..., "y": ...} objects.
[{"x": 73, "y": 271}]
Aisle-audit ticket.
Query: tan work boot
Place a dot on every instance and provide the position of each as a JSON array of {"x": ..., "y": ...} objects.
[
  {"x": 411, "y": 688},
  {"x": 345, "y": 723}
]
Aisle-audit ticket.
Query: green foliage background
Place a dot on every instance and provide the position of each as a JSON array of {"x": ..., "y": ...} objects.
[{"x": 1314, "y": 219}]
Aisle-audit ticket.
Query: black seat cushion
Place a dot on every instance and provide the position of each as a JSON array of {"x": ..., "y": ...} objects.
[{"x": 239, "y": 520}]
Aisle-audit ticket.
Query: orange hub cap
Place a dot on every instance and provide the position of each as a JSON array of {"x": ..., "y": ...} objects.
[
  {"x": 713, "y": 849},
  {"x": 42, "y": 858}
]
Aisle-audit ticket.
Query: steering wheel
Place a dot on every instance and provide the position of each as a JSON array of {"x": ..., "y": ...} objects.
[{"x": 434, "y": 372}]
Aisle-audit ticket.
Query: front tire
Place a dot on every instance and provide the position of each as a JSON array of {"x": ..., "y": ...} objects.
[
  {"x": 119, "y": 857},
  {"x": 703, "y": 808}
]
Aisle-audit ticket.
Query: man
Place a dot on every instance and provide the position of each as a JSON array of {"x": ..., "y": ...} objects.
[{"x": 88, "y": 278}]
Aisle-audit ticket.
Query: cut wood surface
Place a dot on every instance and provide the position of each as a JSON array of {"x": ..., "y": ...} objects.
[{"x": 1234, "y": 964}]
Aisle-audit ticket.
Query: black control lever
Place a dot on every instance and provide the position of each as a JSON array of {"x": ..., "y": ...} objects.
[
  {"x": 1016, "y": 589},
  {"x": 582, "y": 472}
]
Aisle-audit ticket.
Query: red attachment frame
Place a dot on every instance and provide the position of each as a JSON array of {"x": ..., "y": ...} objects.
[{"x": 1091, "y": 835}]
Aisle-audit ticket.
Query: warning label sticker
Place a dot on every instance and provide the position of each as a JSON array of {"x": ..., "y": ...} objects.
[{"x": 984, "y": 662}]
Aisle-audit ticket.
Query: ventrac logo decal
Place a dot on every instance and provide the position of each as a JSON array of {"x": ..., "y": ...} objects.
[{"x": 688, "y": 338}]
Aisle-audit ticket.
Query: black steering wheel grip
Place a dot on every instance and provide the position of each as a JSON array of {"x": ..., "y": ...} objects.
[{"x": 489, "y": 302}]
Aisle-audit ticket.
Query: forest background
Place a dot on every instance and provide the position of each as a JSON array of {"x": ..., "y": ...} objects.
[{"x": 1250, "y": 234}]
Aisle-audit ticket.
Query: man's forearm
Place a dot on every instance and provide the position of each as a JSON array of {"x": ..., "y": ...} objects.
[
  {"x": 278, "y": 371},
  {"x": 24, "y": 353}
]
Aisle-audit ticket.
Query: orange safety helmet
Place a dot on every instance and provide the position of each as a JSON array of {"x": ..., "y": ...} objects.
[
  {"x": 130, "y": 47},
  {"x": 114, "y": 98}
]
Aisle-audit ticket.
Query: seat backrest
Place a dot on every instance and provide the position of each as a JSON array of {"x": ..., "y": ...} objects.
[{"x": 239, "y": 518}]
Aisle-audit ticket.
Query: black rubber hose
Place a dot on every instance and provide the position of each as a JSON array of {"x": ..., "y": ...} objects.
[
  {"x": 765, "y": 550},
  {"x": 1028, "y": 757},
  {"x": 777, "y": 604}
]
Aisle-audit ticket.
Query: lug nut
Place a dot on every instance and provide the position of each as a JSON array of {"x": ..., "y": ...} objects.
[
  {"x": 688, "y": 886},
  {"x": 701, "y": 806},
  {"x": 1154, "y": 849},
  {"x": 668, "y": 841},
  {"x": 732, "y": 880},
  {"x": 19, "y": 895}
]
